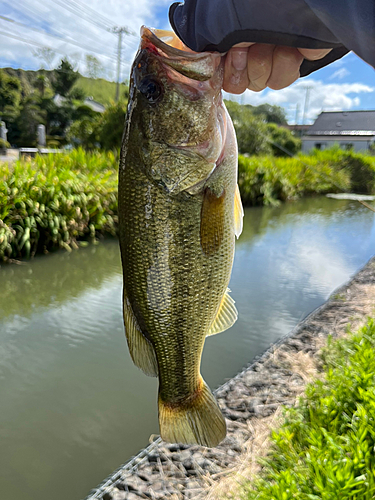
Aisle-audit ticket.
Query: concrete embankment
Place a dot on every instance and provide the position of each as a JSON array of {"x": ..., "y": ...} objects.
[{"x": 276, "y": 378}]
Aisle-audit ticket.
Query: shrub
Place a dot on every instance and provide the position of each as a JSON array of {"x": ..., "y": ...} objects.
[
  {"x": 4, "y": 144},
  {"x": 266, "y": 179},
  {"x": 325, "y": 448},
  {"x": 283, "y": 141},
  {"x": 53, "y": 201}
]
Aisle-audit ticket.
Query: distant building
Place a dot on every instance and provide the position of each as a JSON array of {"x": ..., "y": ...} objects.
[
  {"x": 349, "y": 129},
  {"x": 94, "y": 105},
  {"x": 297, "y": 130},
  {"x": 89, "y": 101}
]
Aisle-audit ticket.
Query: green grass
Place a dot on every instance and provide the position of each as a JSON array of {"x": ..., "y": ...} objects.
[
  {"x": 101, "y": 90},
  {"x": 325, "y": 448},
  {"x": 267, "y": 180},
  {"x": 56, "y": 200}
]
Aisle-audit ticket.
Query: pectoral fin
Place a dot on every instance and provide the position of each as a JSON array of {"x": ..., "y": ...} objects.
[
  {"x": 226, "y": 315},
  {"x": 212, "y": 221},
  {"x": 141, "y": 350},
  {"x": 238, "y": 213}
]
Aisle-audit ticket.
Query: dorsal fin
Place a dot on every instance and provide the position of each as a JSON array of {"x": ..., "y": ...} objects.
[
  {"x": 141, "y": 350},
  {"x": 226, "y": 315},
  {"x": 238, "y": 213}
]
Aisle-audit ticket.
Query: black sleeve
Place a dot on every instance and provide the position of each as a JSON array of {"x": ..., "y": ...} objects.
[{"x": 217, "y": 25}]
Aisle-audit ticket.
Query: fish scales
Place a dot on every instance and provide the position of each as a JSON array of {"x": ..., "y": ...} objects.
[
  {"x": 177, "y": 248},
  {"x": 173, "y": 285}
]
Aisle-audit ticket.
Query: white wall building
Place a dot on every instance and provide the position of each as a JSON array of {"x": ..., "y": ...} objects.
[{"x": 348, "y": 129}]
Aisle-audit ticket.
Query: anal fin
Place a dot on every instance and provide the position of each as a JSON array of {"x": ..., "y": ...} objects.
[
  {"x": 226, "y": 315},
  {"x": 238, "y": 213},
  {"x": 141, "y": 350}
]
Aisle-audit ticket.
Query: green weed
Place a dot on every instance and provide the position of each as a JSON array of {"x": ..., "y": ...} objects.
[
  {"x": 53, "y": 201},
  {"x": 268, "y": 179},
  {"x": 325, "y": 448}
]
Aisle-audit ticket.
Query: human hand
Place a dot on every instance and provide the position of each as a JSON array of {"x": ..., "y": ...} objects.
[{"x": 258, "y": 65}]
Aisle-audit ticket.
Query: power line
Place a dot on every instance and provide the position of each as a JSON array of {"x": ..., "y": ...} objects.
[
  {"x": 89, "y": 15},
  {"x": 93, "y": 13},
  {"x": 67, "y": 40},
  {"x": 33, "y": 42},
  {"x": 37, "y": 17}
]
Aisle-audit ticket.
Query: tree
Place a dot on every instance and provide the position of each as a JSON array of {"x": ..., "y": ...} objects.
[
  {"x": 24, "y": 129},
  {"x": 271, "y": 113},
  {"x": 112, "y": 126},
  {"x": 65, "y": 78},
  {"x": 10, "y": 94},
  {"x": 41, "y": 84},
  {"x": 104, "y": 131},
  {"x": 85, "y": 133},
  {"x": 283, "y": 137},
  {"x": 46, "y": 54},
  {"x": 93, "y": 66},
  {"x": 252, "y": 133}
]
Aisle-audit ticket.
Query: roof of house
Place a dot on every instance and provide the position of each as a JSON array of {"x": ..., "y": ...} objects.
[
  {"x": 89, "y": 101},
  {"x": 344, "y": 123},
  {"x": 94, "y": 105}
]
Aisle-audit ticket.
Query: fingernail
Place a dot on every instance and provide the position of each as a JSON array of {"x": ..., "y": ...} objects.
[{"x": 239, "y": 59}]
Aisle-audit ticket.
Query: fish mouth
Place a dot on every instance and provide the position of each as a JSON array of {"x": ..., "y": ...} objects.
[{"x": 200, "y": 66}]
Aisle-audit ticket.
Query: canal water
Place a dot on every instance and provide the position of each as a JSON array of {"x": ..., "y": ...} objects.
[{"x": 72, "y": 405}]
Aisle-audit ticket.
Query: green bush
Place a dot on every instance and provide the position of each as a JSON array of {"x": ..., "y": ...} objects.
[
  {"x": 52, "y": 201},
  {"x": 267, "y": 179},
  {"x": 325, "y": 448},
  {"x": 100, "y": 131},
  {"x": 361, "y": 167},
  {"x": 283, "y": 141},
  {"x": 4, "y": 144},
  {"x": 253, "y": 136}
]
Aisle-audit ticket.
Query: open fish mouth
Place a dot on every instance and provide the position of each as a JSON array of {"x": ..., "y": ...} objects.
[
  {"x": 196, "y": 75},
  {"x": 175, "y": 54}
]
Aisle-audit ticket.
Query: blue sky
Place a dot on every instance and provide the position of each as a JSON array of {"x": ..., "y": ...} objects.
[{"x": 346, "y": 84}]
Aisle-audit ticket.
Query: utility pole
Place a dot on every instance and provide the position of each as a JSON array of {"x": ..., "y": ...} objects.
[
  {"x": 306, "y": 107},
  {"x": 119, "y": 31},
  {"x": 297, "y": 114}
]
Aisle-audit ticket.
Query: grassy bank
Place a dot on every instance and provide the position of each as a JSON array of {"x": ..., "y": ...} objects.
[
  {"x": 54, "y": 201},
  {"x": 325, "y": 448},
  {"x": 267, "y": 179}
]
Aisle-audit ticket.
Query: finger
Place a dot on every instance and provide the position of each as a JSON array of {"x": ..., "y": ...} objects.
[
  {"x": 314, "y": 54},
  {"x": 235, "y": 74},
  {"x": 259, "y": 65},
  {"x": 286, "y": 62}
]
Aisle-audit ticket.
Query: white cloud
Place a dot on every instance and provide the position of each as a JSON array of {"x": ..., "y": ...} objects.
[
  {"x": 54, "y": 17},
  {"x": 322, "y": 97},
  {"x": 340, "y": 74}
]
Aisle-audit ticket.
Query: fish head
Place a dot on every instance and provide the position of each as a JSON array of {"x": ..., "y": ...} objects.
[{"x": 177, "y": 110}]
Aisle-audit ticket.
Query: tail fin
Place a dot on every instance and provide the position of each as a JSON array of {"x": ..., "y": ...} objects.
[{"x": 196, "y": 421}]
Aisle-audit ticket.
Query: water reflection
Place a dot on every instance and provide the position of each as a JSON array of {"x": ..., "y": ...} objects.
[
  {"x": 73, "y": 406},
  {"x": 53, "y": 279}
]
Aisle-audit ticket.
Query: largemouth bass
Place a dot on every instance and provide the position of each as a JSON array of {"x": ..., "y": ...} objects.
[{"x": 179, "y": 209}]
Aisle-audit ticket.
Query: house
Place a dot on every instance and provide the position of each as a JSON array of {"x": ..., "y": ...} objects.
[
  {"x": 89, "y": 101},
  {"x": 348, "y": 129}
]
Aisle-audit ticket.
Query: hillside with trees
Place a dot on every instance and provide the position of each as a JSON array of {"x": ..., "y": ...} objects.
[
  {"x": 56, "y": 99},
  {"x": 53, "y": 98}
]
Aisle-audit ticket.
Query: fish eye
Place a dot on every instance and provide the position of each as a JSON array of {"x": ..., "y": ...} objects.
[{"x": 151, "y": 89}]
